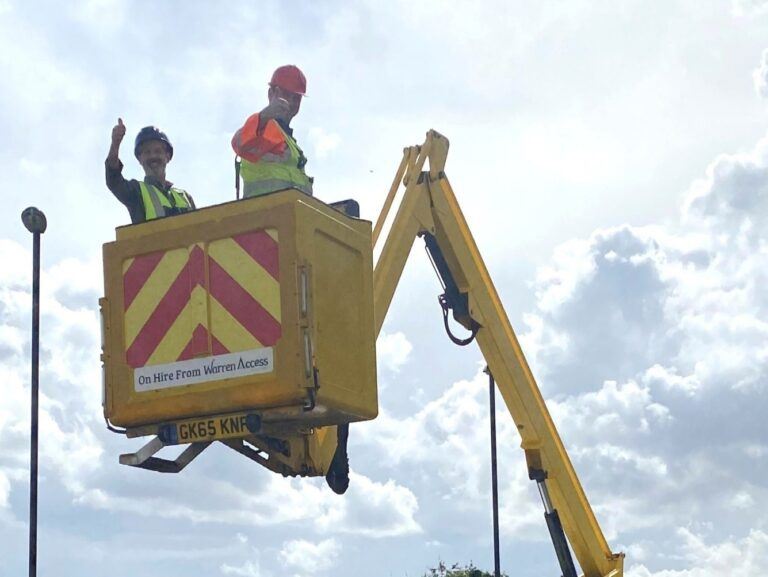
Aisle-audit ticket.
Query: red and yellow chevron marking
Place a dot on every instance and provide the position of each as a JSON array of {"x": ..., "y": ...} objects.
[{"x": 186, "y": 303}]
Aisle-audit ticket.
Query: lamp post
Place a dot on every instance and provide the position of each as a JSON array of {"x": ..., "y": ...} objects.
[
  {"x": 494, "y": 474},
  {"x": 34, "y": 221}
]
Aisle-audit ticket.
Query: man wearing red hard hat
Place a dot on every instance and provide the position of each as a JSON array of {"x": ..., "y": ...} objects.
[{"x": 271, "y": 159}]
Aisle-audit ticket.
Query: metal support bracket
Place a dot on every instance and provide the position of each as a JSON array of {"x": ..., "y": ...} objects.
[
  {"x": 266, "y": 457},
  {"x": 241, "y": 447},
  {"x": 143, "y": 458},
  {"x": 438, "y": 152}
]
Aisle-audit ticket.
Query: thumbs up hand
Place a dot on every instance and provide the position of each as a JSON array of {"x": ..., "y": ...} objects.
[{"x": 118, "y": 132}]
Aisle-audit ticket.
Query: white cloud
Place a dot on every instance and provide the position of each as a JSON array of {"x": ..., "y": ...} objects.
[
  {"x": 750, "y": 7},
  {"x": 742, "y": 500},
  {"x": 760, "y": 76},
  {"x": 324, "y": 143},
  {"x": 569, "y": 266},
  {"x": 747, "y": 556},
  {"x": 393, "y": 350},
  {"x": 445, "y": 448},
  {"x": 5, "y": 489},
  {"x": 373, "y": 509},
  {"x": 434, "y": 431},
  {"x": 64, "y": 80},
  {"x": 74, "y": 454},
  {"x": 247, "y": 569},
  {"x": 369, "y": 508},
  {"x": 571, "y": 149},
  {"x": 309, "y": 557},
  {"x": 32, "y": 167},
  {"x": 650, "y": 466},
  {"x": 756, "y": 451},
  {"x": 101, "y": 17},
  {"x": 668, "y": 378},
  {"x": 615, "y": 410}
]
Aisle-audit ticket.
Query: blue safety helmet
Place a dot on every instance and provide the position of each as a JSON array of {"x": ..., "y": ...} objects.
[{"x": 151, "y": 133}]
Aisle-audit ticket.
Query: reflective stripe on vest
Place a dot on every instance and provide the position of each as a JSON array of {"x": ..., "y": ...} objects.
[
  {"x": 275, "y": 172},
  {"x": 155, "y": 202}
]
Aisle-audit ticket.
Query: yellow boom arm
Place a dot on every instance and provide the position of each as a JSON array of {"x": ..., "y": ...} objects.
[{"x": 429, "y": 207}]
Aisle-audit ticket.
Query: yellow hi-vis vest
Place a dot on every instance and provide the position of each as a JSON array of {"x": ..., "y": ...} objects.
[
  {"x": 156, "y": 202},
  {"x": 275, "y": 172}
]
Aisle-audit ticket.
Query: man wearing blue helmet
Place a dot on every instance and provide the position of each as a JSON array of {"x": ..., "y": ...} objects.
[{"x": 154, "y": 197}]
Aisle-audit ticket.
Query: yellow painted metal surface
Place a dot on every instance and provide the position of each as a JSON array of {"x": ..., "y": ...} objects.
[{"x": 262, "y": 305}]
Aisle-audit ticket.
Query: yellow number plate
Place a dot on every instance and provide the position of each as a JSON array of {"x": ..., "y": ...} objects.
[{"x": 210, "y": 428}]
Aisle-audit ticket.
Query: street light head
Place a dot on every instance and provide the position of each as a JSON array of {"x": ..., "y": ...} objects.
[{"x": 34, "y": 220}]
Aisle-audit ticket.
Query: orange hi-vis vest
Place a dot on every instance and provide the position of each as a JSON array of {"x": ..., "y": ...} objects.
[{"x": 271, "y": 161}]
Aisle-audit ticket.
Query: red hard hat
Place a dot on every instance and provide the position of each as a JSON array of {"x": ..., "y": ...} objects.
[{"x": 290, "y": 78}]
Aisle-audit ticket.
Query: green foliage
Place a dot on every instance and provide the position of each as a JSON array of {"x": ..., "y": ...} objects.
[{"x": 455, "y": 570}]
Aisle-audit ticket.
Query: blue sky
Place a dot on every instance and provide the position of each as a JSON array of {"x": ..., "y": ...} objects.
[{"x": 612, "y": 162}]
